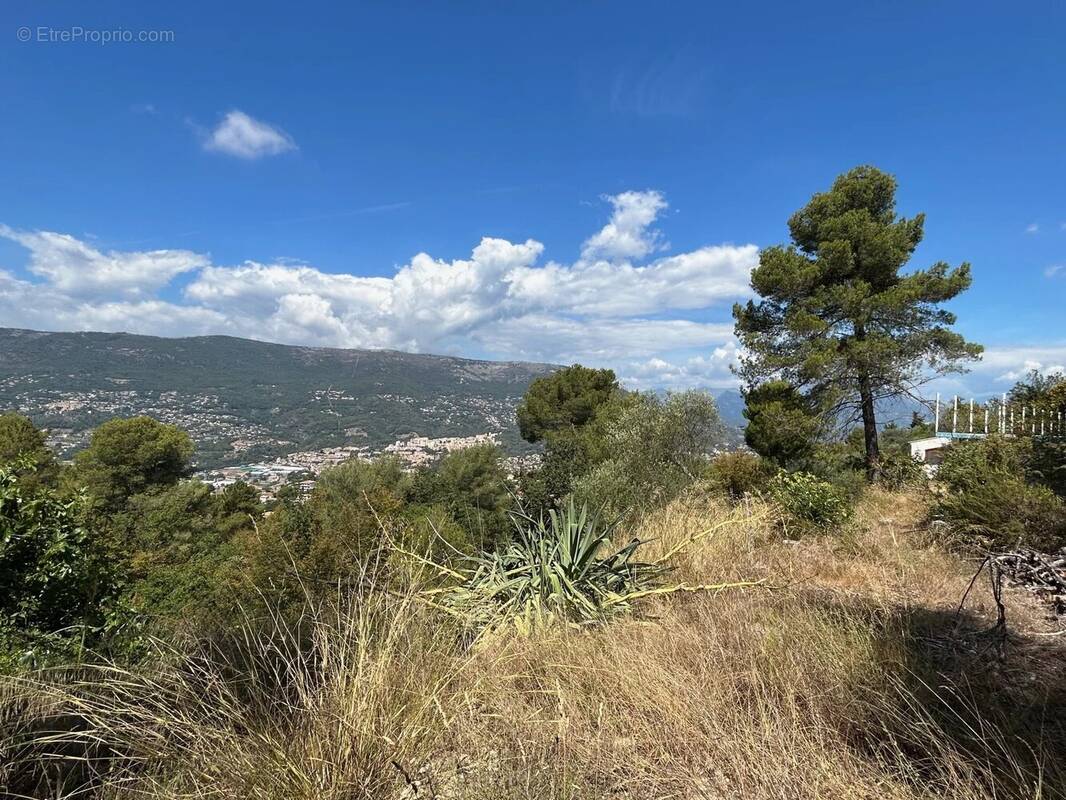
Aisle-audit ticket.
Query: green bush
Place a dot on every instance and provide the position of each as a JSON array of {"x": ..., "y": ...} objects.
[
  {"x": 901, "y": 470},
  {"x": 739, "y": 473},
  {"x": 654, "y": 450},
  {"x": 986, "y": 497},
  {"x": 1046, "y": 464},
  {"x": 471, "y": 484},
  {"x": 563, "y": 568},
  {"x": 838, "y": 463},
  {"x": 810, "y": 503},
  {"x": 58, "y": 590},
  {"x": 968, "y": 465},
  {"x": 174, "y": 540},
  {"x": 1006, "y": 512}
]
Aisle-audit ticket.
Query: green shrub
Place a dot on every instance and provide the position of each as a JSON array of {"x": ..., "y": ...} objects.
[
  {"x": 173, "y": 540},
  {"x": 426, "y": 534},
  {"x": 739, "y": 473},
  {"x": 810, "y": 503},
  {"x": 58, "y": 590},
  {"x": 1046, "y": 464},
  {"x": 562, "y": 569},
  {"x": 985, "y": 496},
  {"x": 1006, "y": 512},
  {"x": 967, "y": 465},
  {"x": 472, "y": 485},
  {"x": 839, "y": 463},
  {"x": 901, "y": 470},
  {"x": 654, "y": 450}
]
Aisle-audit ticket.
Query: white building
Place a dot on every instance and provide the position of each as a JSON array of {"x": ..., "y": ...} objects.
[{"x": 930, "y": 451}]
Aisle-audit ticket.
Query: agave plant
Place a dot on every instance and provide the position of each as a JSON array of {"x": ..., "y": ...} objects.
[
  {"x": 560, "y": 568},
  {"x": 565, "y": 568}
]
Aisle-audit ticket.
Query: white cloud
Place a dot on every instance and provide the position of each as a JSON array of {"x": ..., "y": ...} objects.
[
  {"x": 1055, "y": 270},
  {"x": 1006, "y": 364},
  {"x": 658, "y": 320},
  {"x": 615, "y": 305},
  {"x": 1032, "y": 227},
  {"x": 627, "y": 235},
  {"x": 688, "y": 280},
  {"x": 246, "y": 137},
  {"x": 549, "y": 337},
  {"x": 1000, "y": 367},
  {"x": 72, "y": 266},
  {"x": 697, "y": 372}
]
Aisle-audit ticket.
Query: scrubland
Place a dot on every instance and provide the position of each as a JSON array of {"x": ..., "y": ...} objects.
[{"x": 848, "y": 671}]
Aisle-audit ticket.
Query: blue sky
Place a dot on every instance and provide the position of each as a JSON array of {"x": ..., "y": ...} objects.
[{"x": 572, "y": 181}]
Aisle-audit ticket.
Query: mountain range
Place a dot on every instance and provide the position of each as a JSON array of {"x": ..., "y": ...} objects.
[{"x": 244, "y": 401}]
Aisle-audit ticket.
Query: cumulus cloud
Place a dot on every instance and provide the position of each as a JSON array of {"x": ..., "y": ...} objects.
[
  {"x": 73, "y": 266},
  {"x": 701, "y": 371},
  {"x": 243, "y": 136},
  {"x": 1001, "y": 366},
  {"x": 628, "y": 234},
  {"x": 659, "y": 319},
  {"x": 1009, "y": 364},
  {"x": 688, "y": 280}
]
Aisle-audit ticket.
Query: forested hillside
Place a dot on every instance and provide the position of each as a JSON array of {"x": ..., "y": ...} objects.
[{"x": 243, "y": 400}]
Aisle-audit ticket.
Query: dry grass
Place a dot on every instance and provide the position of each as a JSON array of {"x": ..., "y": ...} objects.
[{"x": 849, "y": 676}]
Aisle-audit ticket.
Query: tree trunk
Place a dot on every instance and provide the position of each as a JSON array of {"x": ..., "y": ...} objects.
[{"x": 869, "y": 430}]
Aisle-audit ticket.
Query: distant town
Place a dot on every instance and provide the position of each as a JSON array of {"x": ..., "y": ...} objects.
[
  {"x": 302, "y": 468},
  {"x": 260, "y": 410}
]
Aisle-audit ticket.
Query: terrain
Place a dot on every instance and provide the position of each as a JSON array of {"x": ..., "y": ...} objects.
[
  {"x": 244, "y": 401},
  {"x": 863, "y": 665}
]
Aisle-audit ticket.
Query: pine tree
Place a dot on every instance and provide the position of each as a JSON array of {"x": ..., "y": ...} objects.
[{"x": 838, "y": 320}]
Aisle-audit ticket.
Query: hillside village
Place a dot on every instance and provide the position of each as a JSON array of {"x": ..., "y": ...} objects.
[
  {"x": 303, "y": 467},
  {"x": 251, "y": 403}
]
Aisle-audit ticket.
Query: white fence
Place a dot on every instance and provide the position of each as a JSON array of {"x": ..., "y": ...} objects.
[{"x": 970, "y": 420}]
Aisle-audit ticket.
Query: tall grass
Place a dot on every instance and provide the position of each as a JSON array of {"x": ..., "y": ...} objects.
[
  {"x": 344, "y": 702},
  {"x": 846, "y": 675}
]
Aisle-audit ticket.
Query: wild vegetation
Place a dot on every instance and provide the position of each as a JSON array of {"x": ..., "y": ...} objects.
[
  {"x": 849, "y": 672},
  {"x": 645, "y": 615}
]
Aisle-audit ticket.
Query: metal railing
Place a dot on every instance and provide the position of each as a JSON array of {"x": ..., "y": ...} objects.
[{"x": 998, "y": 417}]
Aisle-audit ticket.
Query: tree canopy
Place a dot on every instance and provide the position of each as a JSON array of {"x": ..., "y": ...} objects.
[
  {"x": 57, "y": 580},
  {"x": 836, "y": 317},
  {"x": 650, "y": 450},
  {"x": 20, "y": 439},
  {"x": 128, "y": 456},
  {"x": 568, "y": 398},
  {"x": 1045, "y": 391},
  {"x": 782, "y": 424}
]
